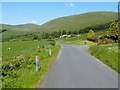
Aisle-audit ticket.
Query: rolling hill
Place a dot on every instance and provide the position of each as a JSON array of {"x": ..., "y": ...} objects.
[
  {"x": 22, "y": 27},
  {"x": 68, "y": 23},
  {"x": 13, "y": 31},
  {"x": 77, "y": 22}
]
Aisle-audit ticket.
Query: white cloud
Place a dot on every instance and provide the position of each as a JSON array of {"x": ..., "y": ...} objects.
[
  {"x": 69, "y": 4},
  {"x": 34, "y": 22}
]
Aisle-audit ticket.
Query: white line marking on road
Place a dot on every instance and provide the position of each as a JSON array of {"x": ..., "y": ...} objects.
[{"x": 58, "y": 55}]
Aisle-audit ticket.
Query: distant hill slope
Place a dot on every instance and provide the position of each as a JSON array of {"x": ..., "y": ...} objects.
[
  {"x": 77, "y": 22},
  {"x": 13, "y": 31},
  {"x": 26, "y": 27},
  {"x": 21, "y": 27},
  {"x": 68, "y": 23}
]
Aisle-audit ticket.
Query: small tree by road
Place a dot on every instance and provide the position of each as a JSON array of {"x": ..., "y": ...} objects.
[
  {"x": 113, "y": 31},
  {"x": 91, "y": 34}
]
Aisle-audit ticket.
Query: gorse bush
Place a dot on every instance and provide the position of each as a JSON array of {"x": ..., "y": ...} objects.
[
  {"x": 91, "y": 34},
  {"x": 105, "y": 41}
]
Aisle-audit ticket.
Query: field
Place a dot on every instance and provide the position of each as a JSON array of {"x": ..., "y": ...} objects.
[
  {"x": 70, "y": 39},
  {"x": 19, "y": 65},
  {"x": 108, "y": 54},
  {"x": 78, "y": 40},
  {"x": 21, "y": 47}
]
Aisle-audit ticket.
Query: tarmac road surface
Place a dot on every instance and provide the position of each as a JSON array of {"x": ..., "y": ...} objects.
[{"x": 76, "y": 68}]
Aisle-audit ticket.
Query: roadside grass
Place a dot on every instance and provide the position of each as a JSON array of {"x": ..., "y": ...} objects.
[
  {"x": 76, "y": 41},
  {"x": 108, "y": 54},
  {"x": 81, "y": 42},
  {"x": 20, "y": 71}
]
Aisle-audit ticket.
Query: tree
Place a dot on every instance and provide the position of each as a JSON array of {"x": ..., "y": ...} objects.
[
  {"x": 42, "y": 35},
  {"x": 91, "y": 34},
  {"x": 35, "y": 37},
  {"x": 113, "y": 29},
  {"x": 63, "y": 32},
  {"x": 75, "y": 32},
  {"x": 69, "y": 33},
  {"x": 46, "y": 36},
  {"x": 56, "y": 34},
  {"x": 80, "y": 31}
]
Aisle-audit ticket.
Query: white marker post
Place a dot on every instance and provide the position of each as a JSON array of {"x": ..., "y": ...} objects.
[
  {"x": 37, "y": 63},
  {"x": 38, "y": 47},
  {"x": 50, "y": 52}
]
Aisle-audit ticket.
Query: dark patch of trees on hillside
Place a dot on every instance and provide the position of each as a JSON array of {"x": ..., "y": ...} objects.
[
  {"x": 57, "y": 34},
  {"x": 96, "y": 27},
  {"x": 2, "y": 30}
]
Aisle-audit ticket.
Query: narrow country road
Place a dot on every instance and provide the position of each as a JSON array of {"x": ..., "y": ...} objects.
[{"x": 76, "y": 68}]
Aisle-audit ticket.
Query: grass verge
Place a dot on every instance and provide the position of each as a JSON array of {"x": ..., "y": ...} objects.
[
  {"x": 81, "y": 42},
  {"x": 108, "y": 54},
  {"x": 20, "y": 71}
]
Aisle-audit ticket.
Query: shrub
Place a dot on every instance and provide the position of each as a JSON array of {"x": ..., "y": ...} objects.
[
  {"x": 52, "y": 43},
  {"x": 92, "y": 39},
  {"x": 105, "y": 41},
  {"x": 50, "y": 40},
  {"x": 91, "y": 34}
]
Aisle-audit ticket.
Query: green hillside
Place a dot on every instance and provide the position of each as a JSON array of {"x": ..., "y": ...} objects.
[
  {"x": 14, "y": 31},
  {"x": 68, "y": 23},
  {"x": 77, "y": 22},
  {"x": 22, "y": 27}
]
